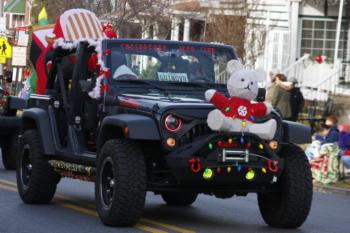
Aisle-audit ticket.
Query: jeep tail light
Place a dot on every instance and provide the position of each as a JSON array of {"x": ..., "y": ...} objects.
[{"x": 172, "y": 123}]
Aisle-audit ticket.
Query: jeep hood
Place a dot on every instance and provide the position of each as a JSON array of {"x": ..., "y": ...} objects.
[{"x": 162, "y": 104}]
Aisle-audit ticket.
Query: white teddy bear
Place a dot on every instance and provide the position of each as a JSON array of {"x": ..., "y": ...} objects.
[{"x": 237, "y": 113}]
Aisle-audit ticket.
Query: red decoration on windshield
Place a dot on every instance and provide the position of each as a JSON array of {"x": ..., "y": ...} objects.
[{"x": 107, "y": 52}]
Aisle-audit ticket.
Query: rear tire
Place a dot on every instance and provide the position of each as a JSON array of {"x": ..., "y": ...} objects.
[
  {"x": 120, "y": 186},
  {"x": 9, "y": 153},
  {"x": 36, "y": 179},
  {"x": 290, "y": 207},
  {"x": 179, "y": 198}
]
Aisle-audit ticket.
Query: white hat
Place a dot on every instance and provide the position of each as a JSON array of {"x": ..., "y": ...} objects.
[{"x": 123, "y": 70}]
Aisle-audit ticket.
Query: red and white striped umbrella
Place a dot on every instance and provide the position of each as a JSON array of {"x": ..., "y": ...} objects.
[{"x": 77, "y": 24}]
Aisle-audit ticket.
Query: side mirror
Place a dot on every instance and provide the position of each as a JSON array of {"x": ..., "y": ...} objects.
[{"x": 261, "y": 95}]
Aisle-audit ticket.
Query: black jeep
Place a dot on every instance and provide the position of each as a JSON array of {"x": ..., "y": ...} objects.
[{"x": 148, "y": 132}]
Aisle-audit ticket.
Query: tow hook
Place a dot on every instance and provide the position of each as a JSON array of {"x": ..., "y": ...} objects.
[
  {"x": 195, "y": 165},
  {"x": 272, "y": 165}
]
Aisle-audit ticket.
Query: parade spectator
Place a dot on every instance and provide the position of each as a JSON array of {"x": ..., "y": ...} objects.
[
  {"x": 313, "y": 149},
  {"x": 326, "y": 134},
  {"x": 279, "y": 95},
  {"x": 333, "y": 132},
  {"x": 344, "y": 145},
  {"x": 296, "y": 100},
  {"x": 271, "y": 83}
]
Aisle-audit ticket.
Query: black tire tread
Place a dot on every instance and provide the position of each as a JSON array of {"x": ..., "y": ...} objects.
[
  {"x": 44, "y": 179},
  {"x": 130, "y": 172},
  {"x": 296, "y": 192}
]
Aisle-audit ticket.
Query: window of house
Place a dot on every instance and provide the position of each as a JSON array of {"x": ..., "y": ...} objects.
[{"x": 318, "y": 37}]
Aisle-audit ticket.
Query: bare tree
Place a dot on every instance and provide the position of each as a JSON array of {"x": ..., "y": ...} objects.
[
  {"x": 130, "y": 15},
  {"x": 248, "y": 38}
]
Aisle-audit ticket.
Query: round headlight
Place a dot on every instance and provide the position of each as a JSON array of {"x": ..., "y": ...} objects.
[{"x": 172, "y": 123}]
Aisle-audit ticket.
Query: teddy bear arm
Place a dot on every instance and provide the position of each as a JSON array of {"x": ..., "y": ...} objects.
[
  {"x": 260, "y": 109},
  {"x": 220, "y": 101}
]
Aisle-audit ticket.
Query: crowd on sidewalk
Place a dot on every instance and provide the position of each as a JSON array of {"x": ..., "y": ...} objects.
[{"x": 329, "y": 152}]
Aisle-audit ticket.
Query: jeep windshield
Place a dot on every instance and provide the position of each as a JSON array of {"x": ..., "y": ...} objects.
[{"x": 166, "y": 66}]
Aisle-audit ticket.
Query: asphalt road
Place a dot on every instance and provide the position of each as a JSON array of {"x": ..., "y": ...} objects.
[{"x": 73, "y": 210}]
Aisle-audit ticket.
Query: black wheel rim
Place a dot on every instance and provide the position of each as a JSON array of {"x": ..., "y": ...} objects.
[
  {"x": 25, "y": 166},
  {"x": 107, "y": 183}
]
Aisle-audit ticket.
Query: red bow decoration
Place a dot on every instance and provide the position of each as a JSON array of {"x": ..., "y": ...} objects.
[
  {"x": 105, "y": 72},
  {"x": 104, "y": 88},
  {"x": 319, "y": 59},
  {"x": 107, "y": 52}
]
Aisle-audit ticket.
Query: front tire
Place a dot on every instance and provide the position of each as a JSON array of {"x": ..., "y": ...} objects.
[
  {"x": 36, "y": 179},
  {"x": 120, "y": 187},
  {"x": 289, "y": 207},
  {"x": 179, "y": 198}
]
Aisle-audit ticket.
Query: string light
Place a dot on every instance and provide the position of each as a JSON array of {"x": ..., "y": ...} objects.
[
  {"x": 228, "y": 169},
  {"x": 239, "y": 168},
  {"x": 210, "y": 146},
  {"x": 248, "y": 145},
  {"x": 208, "y": 174},
  {"x": 250, "y": 175},
  {"x": 218, "y": 170},
  {"x": 263, "y": 170},
  {"x": 242, "y": 140},
  {"x": 261, "y": 146}
]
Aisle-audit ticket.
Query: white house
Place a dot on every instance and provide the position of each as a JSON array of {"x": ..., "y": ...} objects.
[{"x": 300, "y": 36}]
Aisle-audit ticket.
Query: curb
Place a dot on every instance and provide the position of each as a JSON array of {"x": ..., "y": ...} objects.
[{"x": 331, "y": 189}]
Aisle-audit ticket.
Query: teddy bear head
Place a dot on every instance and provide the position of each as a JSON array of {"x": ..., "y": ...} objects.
[{"x": 243, "y": 83}]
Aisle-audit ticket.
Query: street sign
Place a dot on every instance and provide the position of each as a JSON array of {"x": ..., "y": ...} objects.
[
  {"x": 5, "y": 48},
  {"x": 21, "y": 36},
  {"x": 19, "y": 56}
]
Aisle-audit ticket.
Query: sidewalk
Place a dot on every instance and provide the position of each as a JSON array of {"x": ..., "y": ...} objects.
[{"x": 341, "y": 187}]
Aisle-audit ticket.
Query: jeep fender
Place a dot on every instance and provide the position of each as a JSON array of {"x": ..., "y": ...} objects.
[
  {"x": 37, "y": 118},
  {"x": 139, "y": 128},
  {"x": 296, "y": 133}
]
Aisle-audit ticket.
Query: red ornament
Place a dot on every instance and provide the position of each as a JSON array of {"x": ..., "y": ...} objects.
[
  {"x": 218, "y": 170},
  {"x": 319, "y": 59}
]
